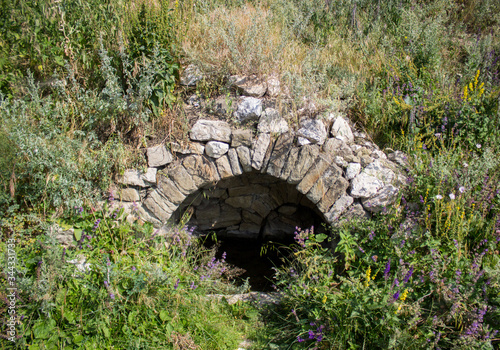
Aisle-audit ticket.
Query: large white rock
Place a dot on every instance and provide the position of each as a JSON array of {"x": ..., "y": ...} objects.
[
  {"x": 211, "y": 130},
  {"x": 249, "y": 108},
  {"x": 380, "y": 171},
  {"x": 313, "y": 130},
  {"x": 365, "y": 186},
  {"x": 216, "y": 149},
  {"x": 158, "y": 156},
  {"x": 271, "y": 121},
  {"x": 342, "y": 129},
  {"x": 352, "y": 170},
  {"x": 385, "y": 197}
]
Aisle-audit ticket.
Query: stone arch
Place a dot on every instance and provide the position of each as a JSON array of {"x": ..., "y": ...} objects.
[{"x": 337, "y": 175}]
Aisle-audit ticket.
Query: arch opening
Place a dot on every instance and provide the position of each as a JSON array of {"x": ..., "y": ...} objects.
[{"x": 249, "y": 212}]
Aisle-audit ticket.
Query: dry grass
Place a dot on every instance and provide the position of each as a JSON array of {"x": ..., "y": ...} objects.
[{"x": 252, "y": 40}]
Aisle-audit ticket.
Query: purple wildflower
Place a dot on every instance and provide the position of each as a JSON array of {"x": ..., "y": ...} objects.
[
  {"x": 111, "y": 295},
  {"x": 396, "y": 295},
  {"x": 387, "y": 269},
  {"x": 311, "y": 334},
  {"x": 299, "y": 339},
  {"x": 133, "y": 268},
  {"x": 176, "y": 283},
  {"x": 408, "y": 275}
]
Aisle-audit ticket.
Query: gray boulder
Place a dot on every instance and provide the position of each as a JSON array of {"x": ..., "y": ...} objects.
[{"x": 250, "y": 108}]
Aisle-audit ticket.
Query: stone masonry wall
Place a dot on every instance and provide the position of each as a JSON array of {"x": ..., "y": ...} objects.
[{"x": 260, "y": 172}]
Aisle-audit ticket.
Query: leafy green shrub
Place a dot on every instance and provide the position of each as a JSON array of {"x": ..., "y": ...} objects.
[
  {"x": 399, "y": 287},
  {"x": 121, "y": 285}
]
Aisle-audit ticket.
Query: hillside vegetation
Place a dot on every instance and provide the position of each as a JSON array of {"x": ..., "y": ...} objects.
[{"x": 86, "y": 85}]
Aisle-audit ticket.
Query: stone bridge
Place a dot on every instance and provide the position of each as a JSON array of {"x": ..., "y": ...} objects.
[{"x": 263, "y": 181}]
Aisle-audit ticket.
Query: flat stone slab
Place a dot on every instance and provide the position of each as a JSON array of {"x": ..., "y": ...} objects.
[
  {"x": 129, "y": 195},
  {"x": 133, "y": 177},
  {"x": 158, "y": 156},
  {"x": 211, "y": 130},
  {"x": 248, "y": 85}
]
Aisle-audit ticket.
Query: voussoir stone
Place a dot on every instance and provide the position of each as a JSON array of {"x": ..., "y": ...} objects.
[
  {"x": 202, "y": 170},
  {"x": 250, "y": 108},
  {"x": 336, "y": 187},
  {"x": 233, "y": 160},
  {"x": 271, "y": 122},
  {"x": 169, "y": 189},
  {"x": 313, "y": 175},
  {"x": 248, "y": 85},
  {"x": 289, "y": 165},
  {"x": 211, "y": 130},
  {"x": 245, "y": 158},
  {"x": 242, "y": 137},
  {"x": 280, "y": 154},
  {"x": 224, "y": 167},
  {"x": 216, "y": 149},
  {"x": 182, "y": 179},
  {"x": 158, "y": 155},
  {"x": 159, "y": 206},
  {"x": 313, "y": 130},
  {"x": 259, "y": 150},
  {"x": 339, "y": 208},
  {"x": 328, "y": 181},
  {"x": 305, "y": 160},
  {"x": 342, "y": 129}
]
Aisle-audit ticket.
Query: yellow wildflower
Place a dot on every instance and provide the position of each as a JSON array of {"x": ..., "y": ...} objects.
[
  {"x": 368, "y": 273},
  {"x": 470, "y": 87},
  {"x": 404, "y": 295},
  {"x": 476, "y": 77},
  {"x": 324, "y": 299}
]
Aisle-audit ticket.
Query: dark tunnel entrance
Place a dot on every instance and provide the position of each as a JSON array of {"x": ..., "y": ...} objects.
[{"x": 253, "y": 217}]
